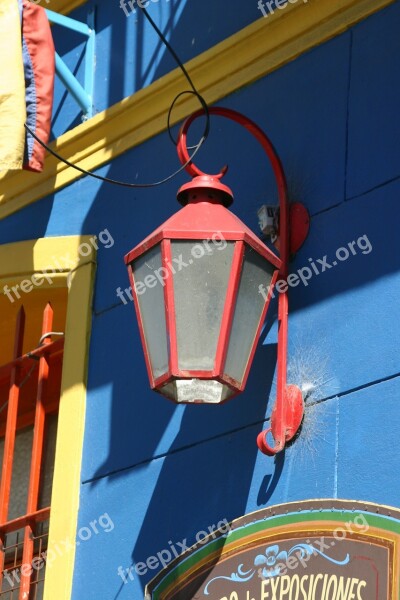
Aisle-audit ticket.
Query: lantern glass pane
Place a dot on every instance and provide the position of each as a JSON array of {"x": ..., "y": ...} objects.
[
  {"x": 150, "y": 295},
  {"x": 200, "y": 284},
  {"x": 256, "y": 271}
]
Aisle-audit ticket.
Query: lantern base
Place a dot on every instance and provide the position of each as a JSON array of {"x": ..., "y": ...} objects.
[{"x": 196, "y": 391}]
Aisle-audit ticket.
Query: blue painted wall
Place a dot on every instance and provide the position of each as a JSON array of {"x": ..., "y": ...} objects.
[
  {"x": 163, "y": 473},
  {"x": 129, "y": 53}
]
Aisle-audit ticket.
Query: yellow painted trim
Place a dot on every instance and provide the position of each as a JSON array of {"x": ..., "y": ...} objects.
[
  {"x": 61, "y": 6},
  {"x": 241, "y": 59},
  {"x": 19, "y": 261}
]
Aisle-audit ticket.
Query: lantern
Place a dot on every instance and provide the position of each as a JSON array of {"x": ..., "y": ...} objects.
[
  {"x": 202, "y": 283},
  {"x": 198, "y": 282}
]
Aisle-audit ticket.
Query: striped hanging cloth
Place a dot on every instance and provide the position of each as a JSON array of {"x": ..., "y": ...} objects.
[
  {"x": 12, "y": 88},
  {"x": 39, "y": 66},
  {"x": 27, "y": 73}
]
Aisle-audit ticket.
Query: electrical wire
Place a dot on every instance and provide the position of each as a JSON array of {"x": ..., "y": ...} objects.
[
  {"x": 195, "y": 148},
  {"x": 186, "y": 74},
  {"x": 49, "y": 334},
  {"x": 116, "y": 181}
]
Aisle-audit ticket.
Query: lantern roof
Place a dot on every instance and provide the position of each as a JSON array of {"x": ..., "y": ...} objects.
[{"x": 203, "y": 216}]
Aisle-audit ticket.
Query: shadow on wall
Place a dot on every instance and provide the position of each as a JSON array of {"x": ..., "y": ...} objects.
[{"x": 270, "y": 482}]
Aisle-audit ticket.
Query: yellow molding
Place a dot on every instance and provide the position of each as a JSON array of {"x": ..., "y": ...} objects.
[
  {"x": 61, "y": 6},
  {"x": 37, "y": 255},
  {"x": 241, "y": 59},
  {"x": 19, "y": 261}
]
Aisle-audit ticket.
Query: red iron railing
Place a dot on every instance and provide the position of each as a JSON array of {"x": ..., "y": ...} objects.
[{"x": 24, "y": 538}]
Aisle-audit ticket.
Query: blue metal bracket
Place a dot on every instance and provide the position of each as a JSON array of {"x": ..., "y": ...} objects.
[{"x": 82, "y": 94}]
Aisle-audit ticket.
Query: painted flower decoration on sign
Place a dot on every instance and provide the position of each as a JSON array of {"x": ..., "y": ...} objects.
[
  {"x": 272, "y": 558},
  {"x": 271, "y": 563}
]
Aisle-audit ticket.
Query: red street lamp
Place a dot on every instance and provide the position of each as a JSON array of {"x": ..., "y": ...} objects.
[{"x": 196, "y": 284}]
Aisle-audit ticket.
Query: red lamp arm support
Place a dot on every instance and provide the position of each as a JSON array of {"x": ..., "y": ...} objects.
[{"x": 279, "y": 430}]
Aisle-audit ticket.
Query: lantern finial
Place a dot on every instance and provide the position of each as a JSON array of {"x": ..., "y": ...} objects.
[{"x": 205, "y": 188}]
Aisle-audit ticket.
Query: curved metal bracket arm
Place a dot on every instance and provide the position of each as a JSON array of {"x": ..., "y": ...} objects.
[
  {"x": 289, "y": 408},
  {"x": 269, "y": 149}
]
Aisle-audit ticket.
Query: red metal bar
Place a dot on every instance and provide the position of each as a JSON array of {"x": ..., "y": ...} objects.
[
  {"x": 229, "y": 307},
  {"x": 37, "y": 452},
  {"x": 29, "y": 417},
  {"x": 25, "y": 361},
  {"x": 141, "y": 329},
  {"x": 38, "y": 516},
  {"x": 179, "y": 234},
  {"x": 9, "y": 440},
  {"x": 170, "y": 312},
  {"x": 259, "y": 329}
]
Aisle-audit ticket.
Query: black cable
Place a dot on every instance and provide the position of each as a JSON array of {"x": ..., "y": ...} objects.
[
  {"x": 108, "y": 179},
  {"x": 206, "y": 112},
  {"x": 195, "y": 148},
  {"x": 186, "y": 74},
  {"x": 170, "y": 48}
]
